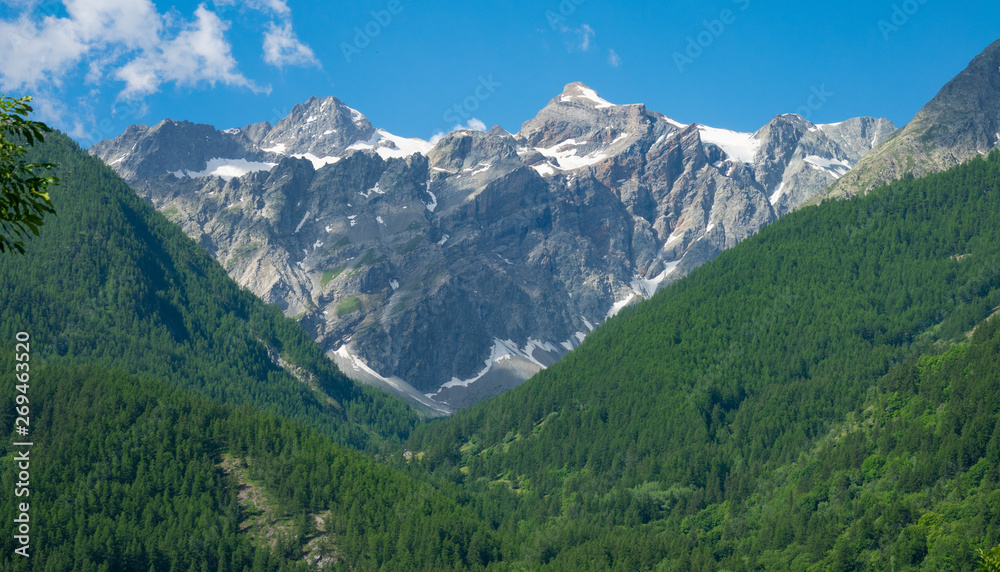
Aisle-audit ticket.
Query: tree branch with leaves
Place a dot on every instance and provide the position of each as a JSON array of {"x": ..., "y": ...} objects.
[
  {"x": 990, "y": 561},
  {"x": 24, "y": 197}
]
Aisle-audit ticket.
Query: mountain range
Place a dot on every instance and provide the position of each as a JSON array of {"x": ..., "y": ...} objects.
[
  {"x": 452, "y": 271},
  {"x": 820, "y": 396}
]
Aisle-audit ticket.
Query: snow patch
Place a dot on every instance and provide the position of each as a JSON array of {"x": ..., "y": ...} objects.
[
  {"x": 545, "y": 169},
  {"x": 302, "y": 222},
  {"x": 279, "y": 149},
  {"x": 401, "y": 147},
  {"x": 394, "y": 284},
  {"x": 618, "y": 306},
  {"x": 777, "y": 194},
  {"x": 647, "y": 287},
  {"x": 565, "y": 154},
  {"x": 434, "y": 200},
  {"x": 835, "y": 167},
  {"x": 500, "y": 351},
  {"x": 588, "y": 95},
  {"x": 356, "y": 116},
  {"x": 404, "y": 147},
  {"x": 741, "y": 147},
  {"x": 443, "y": 240},
  {"x": 226, "y": 169},
  {"x": 505, "y": 350},
  {"x": 676, "y": 124},
  {"x": 587, "y": 323},
  {"x": 376, "y": 189},
  {"x": 674, "y": 237},
  {"x": 357, "y": 364},
  {"x": 317, "y": 162},
  {"x": 380, "y": 221}
]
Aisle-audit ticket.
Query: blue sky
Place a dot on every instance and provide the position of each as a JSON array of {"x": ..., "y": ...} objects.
[{"x": 97, "y": 66}]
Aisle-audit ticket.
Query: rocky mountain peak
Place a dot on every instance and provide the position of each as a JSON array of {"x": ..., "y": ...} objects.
[
  {"x": 466, "y": 149},
  {"x": 577, "y": 93},
  {"x": 320, "y": 127},
  {"x": 959, "y": 123}
]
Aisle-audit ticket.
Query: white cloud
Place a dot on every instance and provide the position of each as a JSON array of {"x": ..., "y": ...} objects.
[
  {"x": 282, "y": 48},
  {"x": 279, "y": 7},
  {"x": 583, "y": 35},
  {"x": 586, "y": 34},
  {"x": 475, "y": 124},
  {"x": 132, "y": 42},
  {"x": 614, "y": 59},
  {"x": 38, "y": 52},
  {"x": 198, "y": 53},
  {"x": 471, "y": 125}
]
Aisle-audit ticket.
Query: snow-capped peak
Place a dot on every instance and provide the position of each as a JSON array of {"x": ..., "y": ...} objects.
[{"x": 579, "y": 93}]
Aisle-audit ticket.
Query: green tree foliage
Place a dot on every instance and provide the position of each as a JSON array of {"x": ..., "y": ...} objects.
[
  {"x": 990, "y": 561},
  {"x": 127, "y": 475},
  {"x": 112, "y": 283},
  {"x": 822, "y": 397},
  {"x": 792, "y": 405},
  {"x": 24, "y": 199}
]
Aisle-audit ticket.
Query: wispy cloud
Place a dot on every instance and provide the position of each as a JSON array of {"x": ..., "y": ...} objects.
[
  {"x": 586, "y": 34},
  {"x": 614, "y": 59},
  {"x": 282, "y": 48},
  {"x": 577, "y": 38}
]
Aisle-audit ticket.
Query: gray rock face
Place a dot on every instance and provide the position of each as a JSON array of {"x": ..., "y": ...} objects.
[
  {"x": 961, "y": 122},
  {"x": 450, "y": 272}
]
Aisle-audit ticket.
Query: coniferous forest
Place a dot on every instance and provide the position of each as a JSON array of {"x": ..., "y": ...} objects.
[{"x": 821, "y": 397}]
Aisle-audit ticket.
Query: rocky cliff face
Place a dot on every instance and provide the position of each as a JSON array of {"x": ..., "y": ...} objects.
[
  {"x": 961, "y": 122},
  {"x": 451, "y": 272}
]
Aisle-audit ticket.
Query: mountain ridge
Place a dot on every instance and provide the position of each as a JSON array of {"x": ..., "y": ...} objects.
[
  {"x": 528, "y": 239},
  {"x": 962, "y": 121}
]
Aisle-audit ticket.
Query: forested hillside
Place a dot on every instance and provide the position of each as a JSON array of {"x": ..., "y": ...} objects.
[
  {"x": 131, "y": 474},
  {"x": 179, "y": 423},
  {"x": 822, "y": 397},
  {"x": 111, "y": 282},
  {"x": 738, "y": 419}
]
